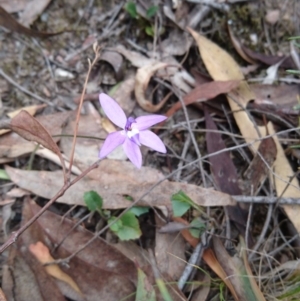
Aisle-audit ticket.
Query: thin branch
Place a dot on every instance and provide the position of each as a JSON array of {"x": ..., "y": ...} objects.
[
  {"x": 11, "y": 81},
  {"x": 266, "y": 200},
  {"x": 91, "y": 64}
]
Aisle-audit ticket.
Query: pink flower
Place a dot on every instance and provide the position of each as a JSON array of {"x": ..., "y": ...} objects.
[{"x": 134, "y": 132}]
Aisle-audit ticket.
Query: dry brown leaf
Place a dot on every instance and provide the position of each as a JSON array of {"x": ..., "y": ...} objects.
[
  {"x": 86, "y": 149},
  {"x": 179, "y": 77},
  {"x": 287, "y": 61},
  {"x": 204, "y": 92},
  {"x": 13, "y": 145},
  {"x": 258, "y": 171},
  {"x": 25, "y": 279},
  {"x": 235, "y": 271},
  {"x": 224, "y": 174},
  {"x": 42, "y": 254},
  {"x": 137, "y": 59},
  {"x": 13, "y": 6},
  {"x": 142, "y": 79},
  {"x": 115, "y": 60},
  {"x": 49, "y": 155},
  {"x": 123, "y": 94},
  {"x": 114, "y": 180},
  {"x": 7, "y": 202},
  {"x": 9, "y": 22},
  {"x": 101, "y": 271},
  {"x": 169, "y": 252},
  {"x": 17, "y": 193},
  {"x": 238, "y": 47},
  {"x": 134, "y": 252},
  {"x": 283, "y": 96},
  {"x": 32, "y": 11},
  {"x": 30, "y": 129},
  {"x": 85, "y": 268},
  {"x": 201, "y": 293},
  {"x": 2, "y": 296},
  {"x": 221, "y": 66},
  {"x": 30, "y": 109},
  {"x": 177, "y": 43}
]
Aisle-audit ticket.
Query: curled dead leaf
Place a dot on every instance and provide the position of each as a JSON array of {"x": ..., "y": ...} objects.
[
  {"x": 30, "y": 109},
  {"x": 142, "y": 79},
  {"x": 115, "y": 60},
  {"x": 30, "y": 129}
]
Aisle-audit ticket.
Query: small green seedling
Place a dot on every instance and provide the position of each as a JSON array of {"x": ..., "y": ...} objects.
[
  {"x": 181, "y": 203},
  {"x": 144, "y": 22},
  {"x": 126, "y": 227}
]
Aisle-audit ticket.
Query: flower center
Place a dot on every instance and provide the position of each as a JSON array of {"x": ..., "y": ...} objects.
[{"x": 130, "y": 129}]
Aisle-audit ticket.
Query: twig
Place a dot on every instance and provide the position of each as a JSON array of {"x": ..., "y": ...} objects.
[
  {"x": 220, "y": 6},
  {"x": 248, "y": 224},
  {"x": 47, "y": 63},
  {"x": 193, "y": 139},
  {"x": 183, "y": 155},
  {"x": 91, "y": 64},
  {"x": 266, "y": 200},
  {"x": 79, "y": 222},
  {"x": 263, "y": 233},
  {"x": 11, "y": 81},
  {"x": 194, "y": 259},
  {"x": 281, "y": 247}
]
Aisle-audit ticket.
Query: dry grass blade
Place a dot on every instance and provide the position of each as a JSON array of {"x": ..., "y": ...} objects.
[{"x": 237, "y": 274}]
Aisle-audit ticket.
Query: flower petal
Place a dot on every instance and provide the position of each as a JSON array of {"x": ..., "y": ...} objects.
[
  {"x": 112, "y": 110},
  {"x": 112, "y": 141},
  {"x": 144, "y": 122},
  {"x": 133, "y": 152},
  {"x": 151, "y": 140}
]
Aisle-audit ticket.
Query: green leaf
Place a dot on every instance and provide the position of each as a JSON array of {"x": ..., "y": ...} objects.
[
  {"x": 137, "y": 210},
  {"x": 151, "y": 11},
  {"x": 197, "y": 227},
  {"x": 93, "y": 200},
  {"x": 130, "y": 7},
  {"x": 144, "y": 290},
  {"x": 127, "y": 226},
  {"x": 181, "y": 203},
  {"x": 149, "y": 31},
  {"x": 116, "y": 226},
  {"x": 4, "y": 175}
]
